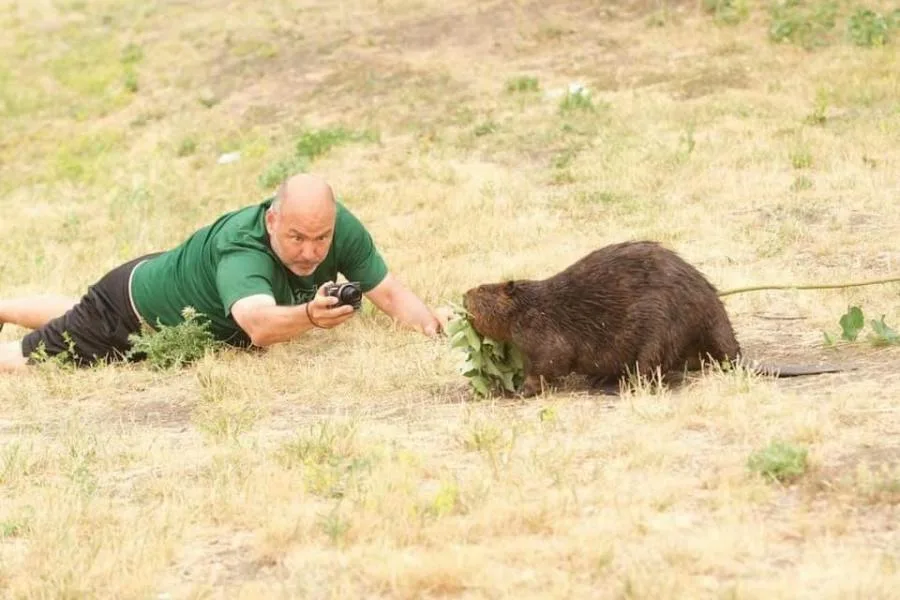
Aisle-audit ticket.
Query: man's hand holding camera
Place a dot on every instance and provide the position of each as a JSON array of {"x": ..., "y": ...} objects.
[{"x": 333, "y": 304}]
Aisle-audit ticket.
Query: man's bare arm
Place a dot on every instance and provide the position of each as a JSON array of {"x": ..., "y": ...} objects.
[
  {"x": 401, "y": 304},
  {"x": 266, "y": 323}
]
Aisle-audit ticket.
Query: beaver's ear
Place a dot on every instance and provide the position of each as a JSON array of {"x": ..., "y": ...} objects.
[{"x": 509, "y": 288}]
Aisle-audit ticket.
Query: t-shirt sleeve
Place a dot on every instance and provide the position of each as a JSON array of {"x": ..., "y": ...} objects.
[
  {"x": 360, "y": 259},
  {"x": 241, "y": 273}
]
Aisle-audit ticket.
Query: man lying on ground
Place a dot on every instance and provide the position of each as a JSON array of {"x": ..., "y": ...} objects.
[{"x": 257, "y": 274}]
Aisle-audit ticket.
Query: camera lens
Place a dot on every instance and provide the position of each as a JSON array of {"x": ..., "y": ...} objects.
[{"x": 350, "y": 295}]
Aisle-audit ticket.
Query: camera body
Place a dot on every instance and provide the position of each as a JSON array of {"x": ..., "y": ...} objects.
[{"x": 346, "y": 293}]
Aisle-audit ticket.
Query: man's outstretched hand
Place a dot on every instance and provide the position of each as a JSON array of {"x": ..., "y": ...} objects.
[{"x": 443, "y": 314}]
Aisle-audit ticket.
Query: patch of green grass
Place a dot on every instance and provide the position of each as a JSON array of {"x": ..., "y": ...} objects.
[
  {"x": 801, "y": 158},
  {"x": 727, "y": 12},
  {"x": 19, "y": 96},
  {"x": 564, "y": 158},
  {"x": 867, "y": 28},
  {"x": 317, "y": 142},
  {"x": 820, "y": 106},
  {"x": 85, "y": 158},
  {"x": 11, "y": 528},
  {"x": 446, "y": 501},
  {"x": 801, "y": 183},
  {"x": 186, "y": 147},
  {"x": 95, "y": 71},
  {"x": 281, "y": 170},
  {"x": 806, "y": 24},
  {"x": 686, "y": 143},
  {"x": 578, "y": 100},
  {"x": 329, "y": 457},
  {"x": 132, "y": 54},
  {"x": 779, "y": 461},
  {"x": 309, "y": 146},
  {"x": 223, "y": 411},
  {"x": 522, "y": 83},
  {"x": 485, "y": 128}
]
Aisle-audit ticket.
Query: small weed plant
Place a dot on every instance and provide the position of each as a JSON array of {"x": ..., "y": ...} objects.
[
  {"x": 852, "y": 324},
  {"x": 64, "y": 359},
  {"x": 806, "y": 24},
  {"x": 779, "y": 461},
  {"x": 576, "y": 100},
  {"x": 523, "y": 83},
  {"x": 175, "y": 346},
  {"x": 868, "y": 28},
  {"x": 311, "y": 145},
  {"x": 727, "y": 12},
  {"x": 489, "y": 365}
]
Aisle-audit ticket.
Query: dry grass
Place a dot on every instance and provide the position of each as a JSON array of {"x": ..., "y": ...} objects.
[{"x": 353, "y": 463}]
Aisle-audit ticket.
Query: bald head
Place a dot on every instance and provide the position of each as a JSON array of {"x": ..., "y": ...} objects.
[
  {"x": 305, "y": 193},
  {"x": 301, "y": 222}
]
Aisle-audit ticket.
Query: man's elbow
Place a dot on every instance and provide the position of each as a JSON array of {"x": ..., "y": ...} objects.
[
  {"x": 255, "y": 330},
  {"x": 248, "y": 316},
  {"x": 260, "y": 340},
  {"x": 259, "y": 336}
]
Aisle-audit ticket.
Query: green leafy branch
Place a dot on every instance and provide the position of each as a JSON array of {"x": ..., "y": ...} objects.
[
  {"x": 174, "y": 346},
  {"x": 853, "y": 322},
  {"x": 489, "y": 365}
]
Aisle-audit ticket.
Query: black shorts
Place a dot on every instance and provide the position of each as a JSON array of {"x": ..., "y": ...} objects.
[{"x": 98, "y": 326}]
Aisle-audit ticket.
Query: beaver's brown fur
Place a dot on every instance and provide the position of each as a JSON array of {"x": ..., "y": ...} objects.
[{"x": 631, "y": 307}]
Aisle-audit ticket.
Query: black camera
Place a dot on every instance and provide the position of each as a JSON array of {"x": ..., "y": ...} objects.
[{"x": 346, "y": 293}]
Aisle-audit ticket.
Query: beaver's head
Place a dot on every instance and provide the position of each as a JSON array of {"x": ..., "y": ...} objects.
[{"x": 493, "y": 308}]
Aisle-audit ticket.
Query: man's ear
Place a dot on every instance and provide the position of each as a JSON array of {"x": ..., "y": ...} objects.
[{"x": 270, "y": 220}]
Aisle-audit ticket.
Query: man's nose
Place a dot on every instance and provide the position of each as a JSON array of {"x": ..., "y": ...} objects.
[{"x": 310, "y": 253}]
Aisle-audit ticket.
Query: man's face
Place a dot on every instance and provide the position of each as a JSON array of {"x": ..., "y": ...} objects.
[{"x": 301, "y": 239}]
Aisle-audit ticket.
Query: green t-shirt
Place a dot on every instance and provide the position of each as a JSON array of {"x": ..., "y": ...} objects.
[{"x": 231, "y": 259}]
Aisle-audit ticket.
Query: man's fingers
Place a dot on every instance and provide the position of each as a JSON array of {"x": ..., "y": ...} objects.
[
  {"x": 443, "y": 314},
  {"x": 324, "y": 302},
  {"x": 328, "y": 317}
]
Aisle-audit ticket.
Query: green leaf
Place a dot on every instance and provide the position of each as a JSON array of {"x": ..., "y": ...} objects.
[
  {"x": 852, "y": 323},
  {"x": 491, "y": 368},
  {"x": 480, "y": 385},
  {"x": 459, "y": 340},
  {"x": 509, "y": 381},
  {"x": 474, "y": 362},
  {"x": 883, "y": 335},
  {"x": 829, "y": 339},
  {"x": 457, "y": 324},
  {"x": 474, "y": 340}
]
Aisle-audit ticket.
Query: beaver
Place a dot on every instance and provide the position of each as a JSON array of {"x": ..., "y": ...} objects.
[{"x": 632, "y": 307}]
